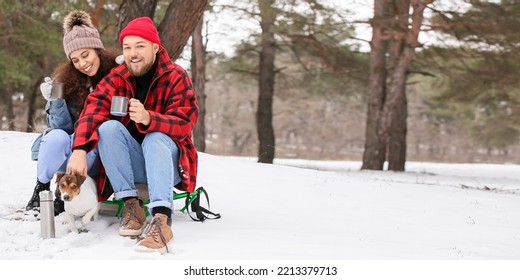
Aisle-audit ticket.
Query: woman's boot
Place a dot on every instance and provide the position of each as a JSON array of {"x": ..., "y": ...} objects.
[
  {"x": 59, "y": 205},
  {"x": 34, "y": 202}
]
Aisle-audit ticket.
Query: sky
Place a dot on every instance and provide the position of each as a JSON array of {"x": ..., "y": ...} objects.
[
  {"x": 298, "y": 212},
  {"x": 226, "y": 29}
]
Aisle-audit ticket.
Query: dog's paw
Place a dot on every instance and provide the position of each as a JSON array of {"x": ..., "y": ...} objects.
[{"x": 83, "y": 230}]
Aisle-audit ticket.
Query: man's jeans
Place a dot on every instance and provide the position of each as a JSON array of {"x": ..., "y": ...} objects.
[
  {"x": 127, "y": 162},
  {"x": 54, "y": 154}
]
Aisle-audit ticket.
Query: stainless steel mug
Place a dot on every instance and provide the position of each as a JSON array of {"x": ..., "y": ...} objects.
[
  {"x": 119, "y": 106},
  {"x": 57, "y": 90}
]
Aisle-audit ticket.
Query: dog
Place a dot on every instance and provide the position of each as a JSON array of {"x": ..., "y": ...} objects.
[{"x": 79, "y": 194}]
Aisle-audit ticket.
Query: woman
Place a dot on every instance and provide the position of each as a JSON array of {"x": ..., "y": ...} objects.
[{"x": 89, "y": 63}]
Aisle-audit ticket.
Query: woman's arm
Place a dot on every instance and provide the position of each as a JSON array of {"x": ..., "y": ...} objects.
[{"x": 58, "y": 115}]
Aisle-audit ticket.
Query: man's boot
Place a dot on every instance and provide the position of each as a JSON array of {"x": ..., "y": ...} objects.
[
  {"x": 134, "y": 218},
  {"x": 159, "y": 235}
]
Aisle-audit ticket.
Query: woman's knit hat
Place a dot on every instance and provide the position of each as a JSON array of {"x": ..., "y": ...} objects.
[{"x": 79, "y": 33}]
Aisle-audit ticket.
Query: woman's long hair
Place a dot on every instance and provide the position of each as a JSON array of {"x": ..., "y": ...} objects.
[{"x": 77, "y": 85}]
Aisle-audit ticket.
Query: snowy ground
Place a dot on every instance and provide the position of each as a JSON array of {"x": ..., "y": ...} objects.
[{"x": 282, "y": 212}]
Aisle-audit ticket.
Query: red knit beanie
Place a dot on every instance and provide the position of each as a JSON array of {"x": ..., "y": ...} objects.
[{"x": 142, "y": 27}]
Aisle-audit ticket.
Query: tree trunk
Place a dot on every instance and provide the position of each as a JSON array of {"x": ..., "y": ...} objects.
[
  {"x": 96, "y": 12},
  {"x": 30, "y": 106},
  {"x": 391, "y": 121},
  {"x": 264, "y": 113},
  {"x": 45, "y": 65},
  {"x": 375, "y": 145},
  {"x": 131, "y": 9},
  {"x": 198, "y": 76},
  {"x": 396, "y": 111},
  {"x": 9, "y": 106},
  {"x": 181, "y": 18}
]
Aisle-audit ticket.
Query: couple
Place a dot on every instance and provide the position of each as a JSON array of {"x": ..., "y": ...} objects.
[{"x": 152, "y": 144}]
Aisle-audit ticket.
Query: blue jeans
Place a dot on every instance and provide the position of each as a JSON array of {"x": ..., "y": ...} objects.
[
  {"x": 54, "y": 154},
  {"x": 154, "y": 162}
]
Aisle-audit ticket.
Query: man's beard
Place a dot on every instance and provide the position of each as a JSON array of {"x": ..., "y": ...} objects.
[{"x": 140, "y": 71}]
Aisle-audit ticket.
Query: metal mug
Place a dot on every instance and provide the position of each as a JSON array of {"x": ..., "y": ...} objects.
[
  {"x": 119, "y": 106},
  {"x": 57, "y": 90}
]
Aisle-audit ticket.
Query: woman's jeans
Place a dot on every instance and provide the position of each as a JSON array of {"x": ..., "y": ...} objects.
[
  {"x": 154, "y": 162},
  {"x": 54, "y": 154}
]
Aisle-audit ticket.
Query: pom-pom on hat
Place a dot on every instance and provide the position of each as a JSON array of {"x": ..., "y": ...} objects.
[
  {"x": 142, "y": 27},
  {"x": 79, "y": 33}
]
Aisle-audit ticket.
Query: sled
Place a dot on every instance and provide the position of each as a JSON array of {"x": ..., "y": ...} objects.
[{"x": 192, "y": 200}]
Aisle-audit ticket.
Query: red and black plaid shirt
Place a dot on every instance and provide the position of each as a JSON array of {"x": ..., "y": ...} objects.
[{"x": 170, "y": 101}]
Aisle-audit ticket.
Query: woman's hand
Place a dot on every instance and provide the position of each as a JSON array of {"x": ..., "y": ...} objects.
[{"x": 46, "y": 89}]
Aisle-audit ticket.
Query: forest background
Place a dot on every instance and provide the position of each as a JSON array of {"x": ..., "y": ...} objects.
[{"x": 461, "y": 84}]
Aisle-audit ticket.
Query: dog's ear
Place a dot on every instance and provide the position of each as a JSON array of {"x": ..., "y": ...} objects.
[
  {"x": 80, "y": 179},
  {"x": 58, "y": 177}
]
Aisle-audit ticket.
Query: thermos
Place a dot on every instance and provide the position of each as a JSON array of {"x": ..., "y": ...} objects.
[{"x": 47, "y": 215}]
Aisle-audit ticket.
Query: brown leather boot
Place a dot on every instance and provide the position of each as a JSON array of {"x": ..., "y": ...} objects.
[
  {"x": 158, "y": 235},
  {"x": 134, "y": 218}
]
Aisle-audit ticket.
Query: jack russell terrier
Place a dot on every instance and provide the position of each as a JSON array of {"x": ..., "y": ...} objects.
[{"x": 80, "y": 197}]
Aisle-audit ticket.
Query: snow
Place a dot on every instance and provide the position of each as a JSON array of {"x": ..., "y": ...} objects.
[{"x": 289, "y": 212}]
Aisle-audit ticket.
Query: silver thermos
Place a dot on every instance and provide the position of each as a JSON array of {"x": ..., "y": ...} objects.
[{"x": 47, "y": 214}]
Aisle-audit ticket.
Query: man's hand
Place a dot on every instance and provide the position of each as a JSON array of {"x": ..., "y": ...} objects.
[
  {"x": 77, "y": 163},
  {"x": 138, "y": 113}
]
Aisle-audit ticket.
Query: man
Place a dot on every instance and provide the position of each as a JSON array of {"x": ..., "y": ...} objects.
[{"x": 152, "y": 144}]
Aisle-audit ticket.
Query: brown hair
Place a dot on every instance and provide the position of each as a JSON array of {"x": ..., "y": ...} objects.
[{"x": 77, "y": 84}]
